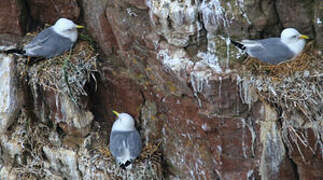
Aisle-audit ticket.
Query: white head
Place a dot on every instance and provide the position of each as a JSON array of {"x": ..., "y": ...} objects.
[
  {"x": 66, "y": 28},
  {"x": 124, "y": 122},
  {"x": 293, "y": 39}
]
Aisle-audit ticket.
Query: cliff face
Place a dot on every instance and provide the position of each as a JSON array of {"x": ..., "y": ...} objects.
[{"x": 201, "y": 112}]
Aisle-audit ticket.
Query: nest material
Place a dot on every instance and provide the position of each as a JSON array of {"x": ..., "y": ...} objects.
[
  {"x": 293, "y": 85},
  {"x": 32, "y": 136},
  {"x": 297, "y": 84},
  {"x": 148, "y": 165},
  {"x": 300, "y": 63},
  {"x": 91, "y": 160},
  {"x": 150, "y": 151},
  {"x": 295, "y": 89},
  {"x": 67, "y": 73}
]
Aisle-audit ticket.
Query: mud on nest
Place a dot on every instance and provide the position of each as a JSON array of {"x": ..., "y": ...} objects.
[{"x": 68, "y": 73}]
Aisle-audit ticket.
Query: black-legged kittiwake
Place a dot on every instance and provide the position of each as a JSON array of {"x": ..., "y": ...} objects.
[
  {"x": 52, "y": 41},
  {"x": 275, "y": 50},
  {"x": 125, "y": 141}
]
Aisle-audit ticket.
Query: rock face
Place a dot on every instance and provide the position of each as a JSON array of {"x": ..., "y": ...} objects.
[
  {"x": 318, "y": 23},
  {"x": 50, "y": 11},
  {"x": 10, "y": 102},
  {"x": 58, "y": 89},
  {"x": 98, "y": 25},
  {"x": 12, "y": 17},
  {"x": 200, "y": 112}
]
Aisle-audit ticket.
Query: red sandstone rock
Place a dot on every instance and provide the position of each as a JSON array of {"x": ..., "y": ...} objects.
[
  {"x": 227, "y": 137},
  {"x": 296, "y": 14},
  {"x": 318, "y": 23},
  {"x": 50, "y": 11},
  {"x": 141, "y": 4},
  {"x": 221, "y": 139},
  {"x": 12, "y": 19},
  {"x": 99, "y": 26}
]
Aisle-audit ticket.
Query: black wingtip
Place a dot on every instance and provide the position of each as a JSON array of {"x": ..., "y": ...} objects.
[
  {"x": 17, "y": 51},
  {"x": 125, "y": 165},
  {"x": 238, "y": 45}
]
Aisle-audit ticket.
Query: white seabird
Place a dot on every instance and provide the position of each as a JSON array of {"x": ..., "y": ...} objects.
[
  {"x": 125, "y": 141},
  {"x": 54, "y": 40},
  {"x": 275, "y": 50}
]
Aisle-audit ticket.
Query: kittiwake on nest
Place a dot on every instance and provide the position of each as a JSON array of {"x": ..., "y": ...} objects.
[
  {"x": 275, "y": 50},
  {"x": 125, "y": 140},
  {"x": 52, "y": 41}
]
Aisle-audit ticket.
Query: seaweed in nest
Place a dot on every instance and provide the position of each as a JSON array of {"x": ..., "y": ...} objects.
[{"x": 68, "y": 73}]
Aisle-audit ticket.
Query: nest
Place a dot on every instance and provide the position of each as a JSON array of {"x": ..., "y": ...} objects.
[
  {"x": 295, "y": 90},
  {"x": 300, "y": 63},
  {"x": 148, "y": 165},
  {"x": 68, "y": 73},
  {"x": 294, "y": 84}
]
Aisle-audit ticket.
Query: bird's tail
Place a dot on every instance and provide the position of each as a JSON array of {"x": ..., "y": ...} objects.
[
  {"x": 125, "y": 165},
  {"x": 238, "y": 45},
  {"x": 15, "y": 51}
]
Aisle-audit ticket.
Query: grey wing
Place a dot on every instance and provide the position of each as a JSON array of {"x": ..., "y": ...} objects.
[
  {"x": 271, "y": 51},
  {"x": 116, "y": 144},
  {"x": 48, "y": 44},
  {"x": 40, "y": 38},
  {"x": 54, "y": 46},
  {"x": 134, "y": 144}
]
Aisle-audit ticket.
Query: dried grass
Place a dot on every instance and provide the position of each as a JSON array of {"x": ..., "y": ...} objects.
[
  {"x": 295, "y": 88},
  {"x": 148, "y": 165},
  {"x": 67, "y": 73},
  {"x": 301, "y": 63},
  {"x": 34, "y": 136}
]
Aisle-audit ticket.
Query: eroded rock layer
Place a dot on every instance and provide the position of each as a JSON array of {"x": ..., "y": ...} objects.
[{"x": 202, "y": 112}]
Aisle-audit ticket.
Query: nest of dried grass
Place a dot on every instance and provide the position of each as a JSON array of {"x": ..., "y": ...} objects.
[
  {"x": 295, "y": 89},
  {"x": 295, "y": 84},
  {"x": 148, "y": 165},
  {"x": 68, "y": 73},
  {"x": 303, "y": 62}
]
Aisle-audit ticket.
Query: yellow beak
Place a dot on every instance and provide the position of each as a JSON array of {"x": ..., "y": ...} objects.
[
  {"x": 303, "y": 37},
  {"x": 116, "y": 113},
  {"x": 79, "y": 26}
]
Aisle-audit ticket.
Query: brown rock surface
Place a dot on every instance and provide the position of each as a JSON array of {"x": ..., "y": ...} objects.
[
  {"x": 50, "y": 11},
  {"x": 12, "y": 17},
  {"x": 62, "y": 102},
  {"x": 10, "y": 92},
  {"x": 318, "y": 23},
  {"x": 98, "y": 25},
  {"x": 297, "y": 14},
  {"x": 160, "y": 65}
]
